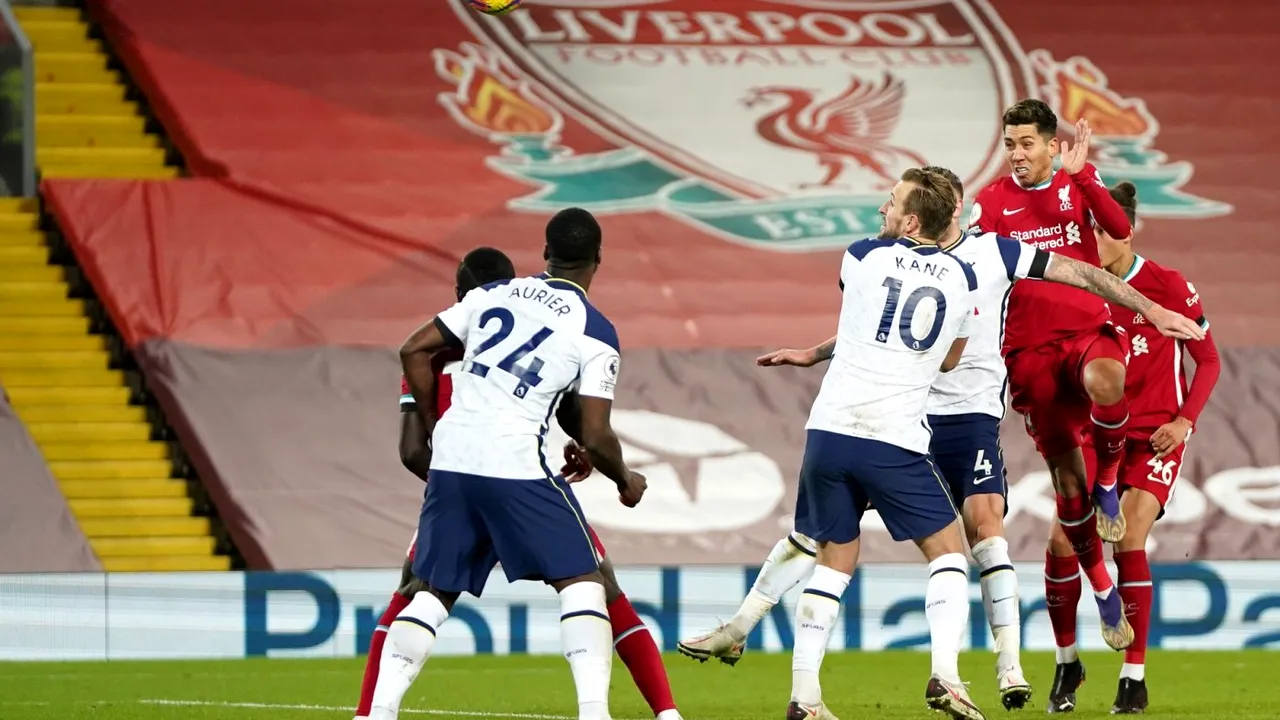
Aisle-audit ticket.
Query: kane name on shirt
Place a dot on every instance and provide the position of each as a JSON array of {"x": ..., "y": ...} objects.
[
  {"x": 1156, "y": 383},
  {"x": 1056, "y": 215}
]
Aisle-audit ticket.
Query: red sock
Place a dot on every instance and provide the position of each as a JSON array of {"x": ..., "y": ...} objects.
[
  {"x": 1062, "y": 596},
  {"x": 1109, "y": 425},
  {"x": 1136, "y": 590},
  {"x": 634, "y": 644},
  {"x": 398, "y": 603},
  {"x": 1076, "y": 517}
]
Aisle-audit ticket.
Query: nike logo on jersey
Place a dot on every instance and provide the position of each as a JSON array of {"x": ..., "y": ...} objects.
[
  {"x": 1013, "y": 212},
  {"x": 979, "y": 481}
]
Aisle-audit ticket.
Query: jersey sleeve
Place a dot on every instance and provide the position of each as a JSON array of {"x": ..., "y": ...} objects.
[
  {"x": 407, "y": 403},
  {"x": 600, "y": 358},
  {"x": 1185, "y": 299},
  {"x": 1104, "y": 208},
  {"x": 967, "y": 321},
  {"x": 982, "y": 218},
  {"x": 1022, "y": 260},
  {"x": 454, "y": 322}
]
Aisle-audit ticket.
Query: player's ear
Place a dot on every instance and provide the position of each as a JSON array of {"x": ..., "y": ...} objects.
[
  {"x": 546, "y": 253},
  {"x": 1053, "y": 145}
]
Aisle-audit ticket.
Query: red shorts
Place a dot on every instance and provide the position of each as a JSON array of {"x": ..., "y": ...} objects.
[
  {"x": 1046, "y": 385},
  {"x": 1140, "y": 469},
  {"x": 595, "y": 540}
]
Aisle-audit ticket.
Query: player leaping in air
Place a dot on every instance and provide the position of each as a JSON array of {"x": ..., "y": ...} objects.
[
  {"x": 1164, "y": 411},
  {"x": 632, "y": 641},
  {"x": 964, "y": 411},
  {"x": 1066, "y": 359},
  {"x": 491, "y": 497}
]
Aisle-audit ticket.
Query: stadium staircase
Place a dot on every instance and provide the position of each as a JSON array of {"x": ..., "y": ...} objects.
[{"x": 67, "y": 374}]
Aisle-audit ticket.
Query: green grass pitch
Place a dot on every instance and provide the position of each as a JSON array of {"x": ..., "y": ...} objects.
[{"x": 856, "y": 685}]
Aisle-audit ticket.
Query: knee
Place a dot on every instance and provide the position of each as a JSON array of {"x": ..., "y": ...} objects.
[
  {"x": 1059, "y": 546},
  {"x": 607, "y": 578},
  {"x": 1104, "y": 381},
  {"x": 984, "y": 518},
  {"x": 1068, "y": 474},
  {"x": 411, "y": 586}
]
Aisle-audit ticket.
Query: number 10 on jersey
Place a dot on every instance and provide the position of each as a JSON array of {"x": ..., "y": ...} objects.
[{"x": 908, "y": 308}]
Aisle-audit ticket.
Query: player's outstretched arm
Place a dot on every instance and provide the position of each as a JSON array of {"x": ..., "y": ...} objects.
[
  {"x": 415, "y": 360},
  {"x": 605, "y": 450},
  {"x": 799, "y": 358},
  {"x": 1065, "y": 270}
]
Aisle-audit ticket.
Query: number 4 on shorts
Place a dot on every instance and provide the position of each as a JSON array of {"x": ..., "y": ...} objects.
[{"x": 982, "y": 466}]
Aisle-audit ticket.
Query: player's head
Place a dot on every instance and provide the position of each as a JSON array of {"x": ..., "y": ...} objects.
[
  {"x": 481, "y": 267},
  {"x": 1030, "y": 140},
  {"x": 1111, "y": 250},
  {"x": 956, "y": 185},
  {"x": 920, "y": 206},
  {"x": 573, "y": 244}
]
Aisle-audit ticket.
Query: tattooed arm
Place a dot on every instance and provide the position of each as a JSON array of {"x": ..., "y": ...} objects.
[
  {"x": 1068, "y": 271},
  {"x": 1062, "y": 269}
]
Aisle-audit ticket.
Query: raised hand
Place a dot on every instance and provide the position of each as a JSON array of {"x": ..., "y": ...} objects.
[{"x": 1075, "y": 156}]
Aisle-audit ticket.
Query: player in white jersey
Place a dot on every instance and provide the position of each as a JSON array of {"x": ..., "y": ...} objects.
[
  {"x": 965, "y": 408},
  {"x": 904, "y": 316},
  {"x": 491, "y": 496}
]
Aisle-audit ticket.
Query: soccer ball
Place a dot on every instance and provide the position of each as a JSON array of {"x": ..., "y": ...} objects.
[{"x": 494, "y": 7}]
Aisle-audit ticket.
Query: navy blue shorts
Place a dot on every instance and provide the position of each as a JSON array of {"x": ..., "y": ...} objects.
[
  {"x": 966, "y": 449},
  {"x": 470, "y": 523},
  {"x": 841, "y": 474}
]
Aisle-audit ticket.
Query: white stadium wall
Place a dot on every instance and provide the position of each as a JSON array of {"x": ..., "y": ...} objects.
[{"x": 1204, "y": 606}]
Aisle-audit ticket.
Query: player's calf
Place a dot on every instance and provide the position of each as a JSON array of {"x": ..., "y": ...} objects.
[
  {"x": 586, "y": 640},
  {"x": 1136, "y": 590},
  {"x": 983, "y": 516},
  {"x": 1104, "y": 382},
  {"x": 409, "y": 642},
  {"x": 789, "y": 563},
  {"x": 816, "y": 614}
]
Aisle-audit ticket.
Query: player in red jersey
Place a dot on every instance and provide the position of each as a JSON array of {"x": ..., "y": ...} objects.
[
  {"x": 1164, "y": 412},
  {"x": 632, "y": 641},
  {"x": 1066, "y": 360}
]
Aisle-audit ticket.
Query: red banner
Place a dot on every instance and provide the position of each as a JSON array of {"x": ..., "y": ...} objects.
[{"x": 352, "y": 151}]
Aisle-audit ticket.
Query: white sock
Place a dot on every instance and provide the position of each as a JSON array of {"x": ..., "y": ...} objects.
[
  {"x": 1000, "y": 600},
  {"x": 409, "y": 641},
  {"x": 1133, "y": 672},
  {"x": 788, "y": 565},
  {"x": 587, "y": 641},
  {"x": 816, "y": 615},
  {"x": 1068, "y": 654},
  {"x": 946, "y": 607}
]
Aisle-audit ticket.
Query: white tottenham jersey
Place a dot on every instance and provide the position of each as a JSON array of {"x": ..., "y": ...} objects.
[
  {"x": 904, "y": 305},
  {"x": 526, "y": 341},
  {"x": 977, "y": 384}
]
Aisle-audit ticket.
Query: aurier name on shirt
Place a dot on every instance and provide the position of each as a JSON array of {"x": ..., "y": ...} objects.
[{"x": 557, "y": 302}]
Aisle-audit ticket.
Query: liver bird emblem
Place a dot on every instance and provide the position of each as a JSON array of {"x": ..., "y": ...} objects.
[{"x": 852, "y": 128}]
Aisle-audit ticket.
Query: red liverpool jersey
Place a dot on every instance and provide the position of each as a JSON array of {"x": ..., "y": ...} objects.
[
  {"x": 1056, "y": 215},
  {"x": 1156, "y": 383},
  {"x": 441, "y": 367}
]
